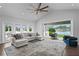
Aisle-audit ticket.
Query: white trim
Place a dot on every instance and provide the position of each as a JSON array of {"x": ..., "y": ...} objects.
[{"x": 72, "y": 27}]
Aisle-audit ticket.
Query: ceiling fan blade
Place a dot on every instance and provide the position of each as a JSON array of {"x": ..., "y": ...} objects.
[
  {"x": 39, "y": 6},
  {"x": 44, "y": 7},
  {"x": 44, "y": 10}
]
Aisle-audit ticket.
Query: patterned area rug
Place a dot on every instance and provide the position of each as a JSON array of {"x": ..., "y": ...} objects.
[{"x": 39, "y": 48}]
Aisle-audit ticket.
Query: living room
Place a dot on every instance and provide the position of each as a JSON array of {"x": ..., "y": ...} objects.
[{"x": 22, "y": 18}]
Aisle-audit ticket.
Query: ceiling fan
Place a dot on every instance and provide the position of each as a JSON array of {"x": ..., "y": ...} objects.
[{"x": 40, "y": 9}]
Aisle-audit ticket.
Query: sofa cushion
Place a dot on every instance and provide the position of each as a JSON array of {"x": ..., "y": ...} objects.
[
  {"x": 18, "y": 36},
  {"x": 37, "y": 34},
  {"x": 29, "y": 35},
  {"x": 25, "y": 35}
]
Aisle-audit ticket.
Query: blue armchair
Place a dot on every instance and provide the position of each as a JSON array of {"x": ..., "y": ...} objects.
[{"x": 70, "y": 41}]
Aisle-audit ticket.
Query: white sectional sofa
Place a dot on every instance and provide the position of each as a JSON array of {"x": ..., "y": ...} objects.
[
  {"x": 22, "y": 39},
  {"x": 20, "y": 42}
]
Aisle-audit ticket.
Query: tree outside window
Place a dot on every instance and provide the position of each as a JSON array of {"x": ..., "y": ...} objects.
[
  {"x": 30, "y": 29},
  {"x": 8, "y": 28}
]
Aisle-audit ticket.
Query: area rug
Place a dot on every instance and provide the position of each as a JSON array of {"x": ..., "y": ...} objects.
[{"x": 40, "y": 48}]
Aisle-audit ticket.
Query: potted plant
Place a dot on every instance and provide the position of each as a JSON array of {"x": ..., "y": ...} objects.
[{"x": 52, "y": 32}]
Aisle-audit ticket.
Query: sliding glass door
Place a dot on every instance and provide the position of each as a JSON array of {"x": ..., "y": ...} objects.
[{"x": 61, "y": 28}]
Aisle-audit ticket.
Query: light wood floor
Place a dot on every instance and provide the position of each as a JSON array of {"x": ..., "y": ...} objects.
[
  {"x": 1, "y": 49},
  {"x": 69, "y": 51}
]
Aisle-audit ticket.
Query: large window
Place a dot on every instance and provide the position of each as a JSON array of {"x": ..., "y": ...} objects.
[
  {"x": 17, "y": 28},
  {"x": 62, "y": 28},
  {"x": 8, "y": 28},
  {"x": 24, "y": 28}
]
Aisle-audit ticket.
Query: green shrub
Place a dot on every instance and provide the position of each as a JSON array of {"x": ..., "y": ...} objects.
[
  {"x": 6, "y": 28},
  {"x": 10, "y": 29},
  {"x": 30, "y": 29},
  {"x": 60, "y": 35},
  {"x": 51, "y": 30}
]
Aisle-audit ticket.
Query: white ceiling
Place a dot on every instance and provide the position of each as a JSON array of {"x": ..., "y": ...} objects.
[{"x": 21, "y": 10}]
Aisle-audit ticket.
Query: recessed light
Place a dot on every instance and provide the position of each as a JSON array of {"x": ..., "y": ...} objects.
[{"x": 0, "y": 6}]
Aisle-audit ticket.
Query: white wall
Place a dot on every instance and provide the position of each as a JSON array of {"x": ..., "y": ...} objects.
[
  {"x": 60, "y": 15},
  {"x": 76, "y": 24},
  {"x": 0, "y": 30},
  {"x": 12, "y": 21}
]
